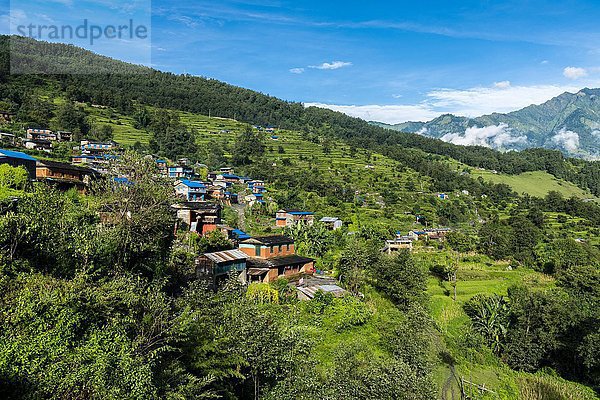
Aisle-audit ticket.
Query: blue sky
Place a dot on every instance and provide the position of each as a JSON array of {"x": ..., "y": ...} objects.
[{"x": 380, "y": 60}]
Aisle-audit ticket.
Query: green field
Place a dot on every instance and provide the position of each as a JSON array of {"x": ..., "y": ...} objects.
[{"x": 535, "y": 183}]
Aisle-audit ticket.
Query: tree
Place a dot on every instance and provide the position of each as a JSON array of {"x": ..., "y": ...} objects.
[
  {"x": 13, "y": 177},
  {"x": 460, "y": 241},
  {"x": 489, "y": 317},
  {"x": 72, "y": 118},
  {"x": 356, "y": 258},
  {"x": 171, "y": 138},
  {"x": 139, "y": 219},
  {"x": 400, "y": 278},
  {"x": 249, "y": 146},
  {"x": 102, "y": 133},
  {"x": 495, "y": 240}
]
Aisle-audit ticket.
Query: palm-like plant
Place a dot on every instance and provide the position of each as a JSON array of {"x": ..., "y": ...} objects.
[{"x": 489, "y": 317}]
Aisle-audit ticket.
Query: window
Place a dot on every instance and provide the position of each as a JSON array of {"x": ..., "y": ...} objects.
[
  {"x": 280, "y": 247},
  {"x": 288, "y": 247},
  {"x": 257, "y": 250}
]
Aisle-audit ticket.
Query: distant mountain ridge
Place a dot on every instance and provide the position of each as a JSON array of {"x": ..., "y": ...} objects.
[{"x": 569, "y": 122}]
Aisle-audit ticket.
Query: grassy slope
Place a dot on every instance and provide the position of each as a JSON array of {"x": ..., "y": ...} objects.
[
  {"x": 535, "y": 183},
  {"x": 478, "y": 274}
]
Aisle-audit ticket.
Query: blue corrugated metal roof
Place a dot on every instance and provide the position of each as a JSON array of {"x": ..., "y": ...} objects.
[
  {"x": 300, "y": 213},
  {"x": 241, "y": 234},
  {"x": 193, "y": 184},
  {"x": 16, "y": 154}
]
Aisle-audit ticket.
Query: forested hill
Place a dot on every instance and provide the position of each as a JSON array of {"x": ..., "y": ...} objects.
[{"x": 121, "y": 85}]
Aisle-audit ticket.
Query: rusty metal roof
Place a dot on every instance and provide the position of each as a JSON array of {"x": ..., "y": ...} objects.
[{"x": 227, "y": 256}]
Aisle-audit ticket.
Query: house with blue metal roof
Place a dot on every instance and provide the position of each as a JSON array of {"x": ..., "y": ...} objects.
[
  {"x": 191, "y": 190},
  {"x": 18, "y": 159},
  {"x": 292, "y": 217}
]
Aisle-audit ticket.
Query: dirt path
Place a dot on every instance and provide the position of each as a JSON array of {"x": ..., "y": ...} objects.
[{"x": 241, "y": 210}]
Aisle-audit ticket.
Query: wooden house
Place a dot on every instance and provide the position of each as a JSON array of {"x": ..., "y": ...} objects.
[
  {"x": 271, "y": 257},
  {"x": 216, "y": 267},
  {"x": 64, "y": 176},
  {"x": 18, "y": 159},
  {"x": 190, "y": 190},
  {"x": 292, "y": 217}
]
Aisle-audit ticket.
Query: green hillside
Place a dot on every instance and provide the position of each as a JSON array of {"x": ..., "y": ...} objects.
[{"x": 536, "y": 183}]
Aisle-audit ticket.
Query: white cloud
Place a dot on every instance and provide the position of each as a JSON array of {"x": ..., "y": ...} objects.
[
  {"x": 387, "y": 114},
  {"x": 485, "y": 100},
  {"x": 502, "y": 84},
  {"x": 497, "y": 136},
  {"x": 472, "y": 102},
  {"x": 575, "y": 72},
  {"x": 297, "y": 70},
  {"x": 332, "y": 65},
  {"x": 422, "y": 131},
  {"x": 569, "y": 140}
]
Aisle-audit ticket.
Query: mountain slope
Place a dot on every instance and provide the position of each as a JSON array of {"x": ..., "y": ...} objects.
[
  {"x": 127, "y": 86},
  {"x": 569, "y": 122}
]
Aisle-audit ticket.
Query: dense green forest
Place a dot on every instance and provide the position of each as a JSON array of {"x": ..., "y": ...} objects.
[{"x": 97, "y": 309}]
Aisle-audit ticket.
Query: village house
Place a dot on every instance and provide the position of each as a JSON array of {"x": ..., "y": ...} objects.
[
  {"x": 438, "y": 234},
  {"x": 201, "y": 218},
  {"x": 230, "y": 198},
  {"x": 18, "y": 159},
  {"x": 292, "y": 217},
  {"x": 216, "y": 267},
  {"x": 37, "y": 144},
  {"x": 190, "y": 190},
  {"x": 40, "y": 134},
  {"x": 271, "y": 257},
  {"x": 332, "y": 223},
  {"x": 180, "y": 172},
  {"x": 400, "y": 242},
  {"x": 64, "y": 176},
  {"x": 256, "y": 186},
  {"x": 64, "y": 136},
  {"x": 161, "y": 165},
  {"x": 215, "y": 192},
  {"x": 99, "y": 163},
  {"x": 443, "y": 196},
  {"x": 416, "y": 235},
  {"x": 96, "y": 148},
  {"x": 253, "y": 199}
]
